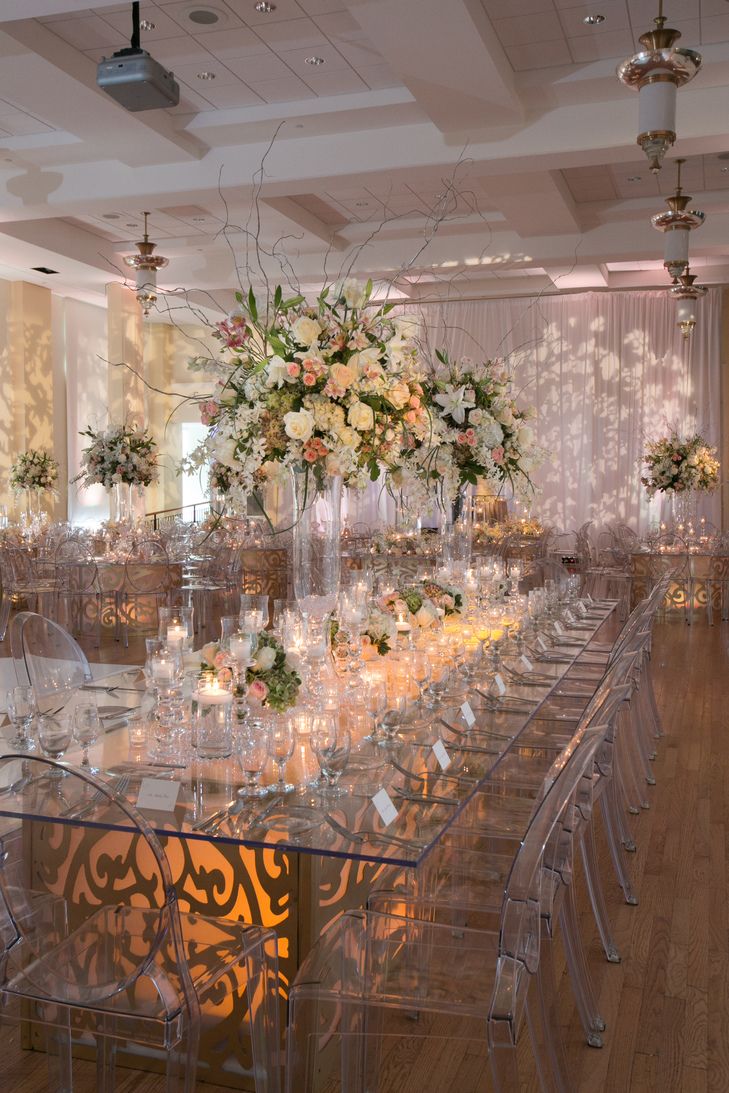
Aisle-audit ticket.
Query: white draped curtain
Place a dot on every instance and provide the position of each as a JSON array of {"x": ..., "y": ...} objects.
[{"x": 606, "y": 371}]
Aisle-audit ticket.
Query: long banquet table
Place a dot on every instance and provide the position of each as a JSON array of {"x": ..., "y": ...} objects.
[{"x": 294, "y": 874}]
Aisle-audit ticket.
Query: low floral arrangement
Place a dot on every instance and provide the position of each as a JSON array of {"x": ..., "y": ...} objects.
[
  {"x": 34, "y": 470},
  {"x": 273, "y": 675},
  {"x": 334, "y": 386},
  {"x": 679, "y": 464},
  {"x": 121, "y": 453},
  {"x": 406, "y": 543},
  {"x": 448, "y": 597},
  {"x": 379, "y": 634},
  {"x": 412, "y": 605},
  {"x": 478, "y": 431},
  {"x": 214, "y": 660},
  {"x": 495, "y": 533}
]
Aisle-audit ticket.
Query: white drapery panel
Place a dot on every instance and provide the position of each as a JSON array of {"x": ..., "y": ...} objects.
[
  {"x": 87, "y": 395},
  {"x": 606, "y": 371}
]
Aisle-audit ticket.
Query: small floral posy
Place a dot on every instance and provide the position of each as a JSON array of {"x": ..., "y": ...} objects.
[
  {"x": 34, "y": 470},
  {"x": 121, "y": 453},
  {"x": 412, "y": 605},
  {"x": 675, "y": 464},
  {"x": 446, "y": 596},
  {"x": 273, "y": 676}
]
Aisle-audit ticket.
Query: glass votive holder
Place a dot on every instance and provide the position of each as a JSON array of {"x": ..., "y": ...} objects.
[
  {"x": 176, "y": 627},
  {"x": 253, "y": 612},
  {"x": 212, "y": 706}
]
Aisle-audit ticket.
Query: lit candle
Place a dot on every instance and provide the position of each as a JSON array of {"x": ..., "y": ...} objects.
[
  {"x": 213, "y": 694},
  {"x": 176, "y": 634},
  {"x": 163, "y": 669},
  {"x": 240, "y": 647},
  {"x": 403, "y": 627}
]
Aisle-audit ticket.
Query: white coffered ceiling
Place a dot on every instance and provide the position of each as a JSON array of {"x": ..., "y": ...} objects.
[{"x": 494, "y": 130}]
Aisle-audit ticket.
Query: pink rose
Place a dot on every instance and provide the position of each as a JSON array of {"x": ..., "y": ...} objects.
[
  {"x": 498, "y": 455},
  {"x": 258, "y": 691},
  {"x": 309, "y": 379},
  {"x": 415, "y": 402},
  {"x": 219, "y": 660},
  {"x": 293, "y": 369}
]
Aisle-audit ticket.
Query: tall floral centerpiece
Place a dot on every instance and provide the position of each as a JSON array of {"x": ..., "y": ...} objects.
[
  {"x": 325, "y": 394},
  {"x": 35, "y": 471},
  {"x": 477, "y": 431},
  {"x": 119, "y": 458},
  {"x": 680, "y": 467}
]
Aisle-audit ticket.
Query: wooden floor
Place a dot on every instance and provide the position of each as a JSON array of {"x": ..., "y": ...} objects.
[{"x": 667, "y": 1003}]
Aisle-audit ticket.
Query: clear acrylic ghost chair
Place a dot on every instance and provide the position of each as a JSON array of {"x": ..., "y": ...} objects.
[
  {"x": 111, "y": 959},
  {"x": 49, "y": 659},
  {"x": 376, "y": 985}
]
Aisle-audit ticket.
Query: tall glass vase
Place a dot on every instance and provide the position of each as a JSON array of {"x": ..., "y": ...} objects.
[
  {"x": 316, "y": 560},
  {"x": 123, "y": 503},
  {"x": 683, "y": 511},
  {"x": 457, "y": 533}
]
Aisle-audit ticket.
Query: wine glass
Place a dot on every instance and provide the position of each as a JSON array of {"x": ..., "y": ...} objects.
[
  {"x": 374, "y": 696},
  {"x": 54, "y": 737},
  {"x": 281, "y": 740},
  {"x": 86, "y": 730},
  {"x": 252, "y": 756},
  {"x": 331, "y": 747},
  {"x": 22, "y": 708}
]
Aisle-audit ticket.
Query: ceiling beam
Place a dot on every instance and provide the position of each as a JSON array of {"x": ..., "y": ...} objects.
[
  {"x": 289, "y": 208},
  {"x": 447, "y": 55}
]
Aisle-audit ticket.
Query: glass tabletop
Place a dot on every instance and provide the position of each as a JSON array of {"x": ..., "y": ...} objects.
[{"x": 395, "y": 802}]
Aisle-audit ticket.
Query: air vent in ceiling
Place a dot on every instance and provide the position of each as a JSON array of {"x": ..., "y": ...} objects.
[{"x": 43, "y": 269}]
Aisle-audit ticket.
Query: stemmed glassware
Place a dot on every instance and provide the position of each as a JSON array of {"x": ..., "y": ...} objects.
[
  {"x": 86, "y": 730},
  {"x": 22, "y": 708},
  {"x": 281, "y": 740},
  {"x": 253, "y": 756},
  {"x": 374, "y": 697},
  {"x": 331, "y": 745},
  {"x": 54, "y": 737},
  {"x": 241, "y": 647}
]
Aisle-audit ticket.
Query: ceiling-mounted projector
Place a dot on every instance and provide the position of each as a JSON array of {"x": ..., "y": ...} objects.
[{"x": 135, "y": 79}]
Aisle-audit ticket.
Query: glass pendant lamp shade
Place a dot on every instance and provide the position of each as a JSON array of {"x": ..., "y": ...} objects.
[
  {"x": 687, "y": 294},
  {"x": 146, "y": 263},
  {"x": 676, "y": 224}
]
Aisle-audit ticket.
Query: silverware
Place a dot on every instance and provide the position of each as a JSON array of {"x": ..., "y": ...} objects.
[
  {"x": 119, "y": 788},
  {"x": 426, "y": 799},
  {"x": 363, "y": 835}
]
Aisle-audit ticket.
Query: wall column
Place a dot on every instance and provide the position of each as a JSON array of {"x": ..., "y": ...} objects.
[
  {"x": 33, "y": 390},
  {"x": 127, "y": 392}
]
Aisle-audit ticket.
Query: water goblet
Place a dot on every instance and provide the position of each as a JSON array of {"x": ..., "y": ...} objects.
[
  {"x": 374, "y": 697},
  {"x": 22, "y": 708},
  {"x": 281, "y": 740},
  {"x": 331, "y": 747},
  {"x": 86, "y": 730},
  {"x": 252, "y": 756},
  {"x": 54, "y": 737}
]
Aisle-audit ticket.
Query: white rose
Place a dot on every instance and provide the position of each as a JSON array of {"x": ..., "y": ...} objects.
[
  {"x": 263, "y": 659},
  {"x": 224, "y": 451},
  {"x": 505, "y": 416},
  {"x": 353, "y": 292},
  {"x": 423, "y": 617},
  {"x": 364, "y": 358},
  {"x": 361, "y": 416},
  {"x": 299, "y": 425},
  {"x": 475, "y": 417},
  {"x": 525, "y": 436},
  {"x": 306, "y": 330}
]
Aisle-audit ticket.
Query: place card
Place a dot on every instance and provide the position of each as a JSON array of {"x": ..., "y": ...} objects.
[
  {"x": 581, "y": 609},
  {"x": 159, "y": 795},
  {"x": 569, "y": 616},
  {"x": 439, "y": 751},
  {"x": 526, "y": 663},
  {"x": 499, "y": 684},
  {"x": 540, "y": 644},
  {"x": 384, "y": 804},
  {"x": 558, "y": 628},
  {"x": 468, "y": 715}
]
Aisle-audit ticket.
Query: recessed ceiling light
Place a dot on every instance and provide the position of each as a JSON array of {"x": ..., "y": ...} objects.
[
  {"x": 724, "y": 170},
  {"x": 110, "y": 216},
  {"x": 315, "y": 61},
  {"x": 206, "y": 75},
  {"x": 146, "y": 24},
  {"x": 593, "y": 20},
  {"x": 203, "y": 17},
  {"x": 635, "y": 178},
  {"x": 264, "y": 7}
]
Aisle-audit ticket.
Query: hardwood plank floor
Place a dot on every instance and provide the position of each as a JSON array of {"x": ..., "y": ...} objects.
[{"x": 667, "y": 1003}]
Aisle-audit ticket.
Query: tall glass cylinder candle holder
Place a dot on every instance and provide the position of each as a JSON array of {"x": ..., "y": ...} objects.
[
  {"x": 176, "y": 627},
  {"x": 242, "y": 646},
  {"x": 212, "y": 705},
  {"x": 166, "y": 672}
]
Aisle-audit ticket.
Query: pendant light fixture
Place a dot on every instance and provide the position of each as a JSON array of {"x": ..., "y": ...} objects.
[
  {"x": 676, "y": 224},
  {"x": 657, "y": 72},
  {"x": 687, "y": 294},
  {"x": 146, "y": 263}
]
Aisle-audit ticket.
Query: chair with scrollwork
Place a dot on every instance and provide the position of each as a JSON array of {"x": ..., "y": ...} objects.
[
  {"x": 112, "y": 961},
  {"x": 145, "y": 587}
]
